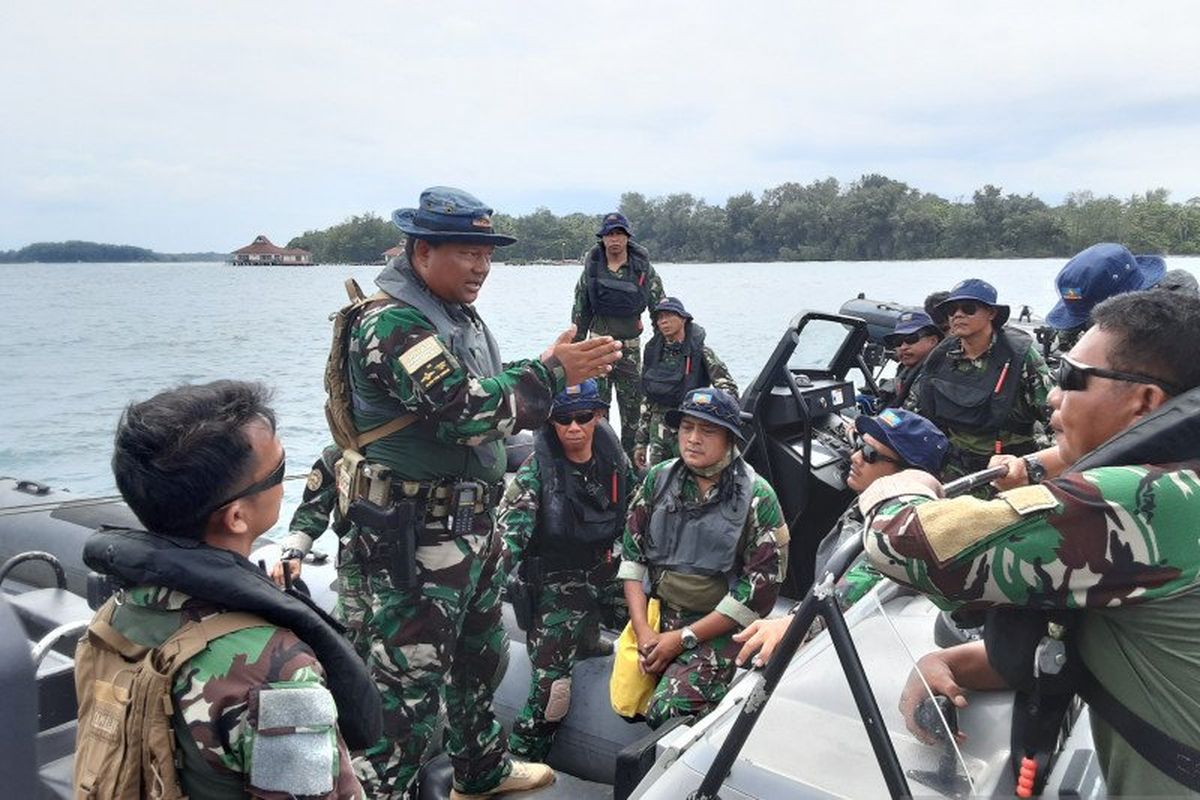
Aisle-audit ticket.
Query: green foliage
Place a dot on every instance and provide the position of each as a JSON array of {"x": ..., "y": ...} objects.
[
  {"x": 94, "y": 252},
  {"x": 358, "y": 240}
]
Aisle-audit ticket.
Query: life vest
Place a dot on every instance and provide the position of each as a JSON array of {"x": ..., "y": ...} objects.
[
  {"x": 573, "y": 526},
  {"x": 612, "y": 295},
  {"x": 222, "y": 577},
  {"x": 977, "y": 401},
  {"x": 698, "y": 539},
  {"x": 665, "y": 382},
  {"x": 472, "y": 344}
]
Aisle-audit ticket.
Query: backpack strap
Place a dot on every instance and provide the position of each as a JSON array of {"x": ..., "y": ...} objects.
[{"x": 193, "y": 637}]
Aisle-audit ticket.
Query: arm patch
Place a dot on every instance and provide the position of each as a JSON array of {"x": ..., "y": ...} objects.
[
  {"x": 295, "y": 745},
  {"x": 953, "y": 526},
  {"x": 428, "y": 362}
]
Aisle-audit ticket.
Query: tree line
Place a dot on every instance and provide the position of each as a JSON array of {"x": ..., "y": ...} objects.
[{"x": 95, "y": 252}]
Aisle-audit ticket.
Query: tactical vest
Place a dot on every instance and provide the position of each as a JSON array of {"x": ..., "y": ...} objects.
[
  {"x": 226, "y": 579},
  {"x": 128, "y": 735},
  {"x": 698, "y": 539},
  {"x": 614, "y": 296},
  {"x": 977, "y": 401},
  {"x": 665, "y": 382},
  {"x": 574, "y": 526},
  {"x": 470, "y": 341}
]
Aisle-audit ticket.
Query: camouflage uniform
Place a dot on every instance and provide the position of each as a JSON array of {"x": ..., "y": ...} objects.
[
  {"x": 443, "y": 638},
  {"x": 971, "y": 451},
  {"x": 571, "y": 605},
  {"x": 697, "y": 679},
  {"x": 1116, "y": 543},
  {"x": 309, "y": 523},
  {"x": 217, "y": 694},
  {"x": 627, "y": 372},
  {"x": 661, "y": 440}
]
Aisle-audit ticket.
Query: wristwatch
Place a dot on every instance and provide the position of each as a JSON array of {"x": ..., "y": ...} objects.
[
  {"x": 292, "y": 553},
  {"x": 688, "y": 637},
  {"x": 1034, "y": 468}
]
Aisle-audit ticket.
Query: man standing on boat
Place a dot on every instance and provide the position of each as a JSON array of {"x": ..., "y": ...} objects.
[
  {"x": 913, "y": 338},
  {"x": 708, "y": 535},
  {"x": 1114, "y": 545},
  {"x": 676, "y": 361},
  {"x": 426, "y": 493},
  {"x": 560, "y": 519},
  {"x": 985, "y": 386},
  {"x": 618, "y": 283}
]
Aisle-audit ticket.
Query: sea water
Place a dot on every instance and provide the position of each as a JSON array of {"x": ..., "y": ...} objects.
[{"x": 80, "y": 341}]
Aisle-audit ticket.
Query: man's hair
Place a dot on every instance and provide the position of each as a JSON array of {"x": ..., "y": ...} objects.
[
  {"x": 1154, "y": 333},
  {"x": 931, "y": 308},
  {"x": 410, "y": 246},
  {"x": 183, "y": 450}
]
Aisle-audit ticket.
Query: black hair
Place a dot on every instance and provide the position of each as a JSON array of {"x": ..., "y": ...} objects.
[
  {"x": 410, "y": 247},
  {"x": 938, "y": 315},
  {"x": 184, "y": 449},
  {"x": 1155, "y": 334}
]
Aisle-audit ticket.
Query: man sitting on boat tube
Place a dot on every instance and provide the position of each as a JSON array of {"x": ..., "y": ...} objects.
[{"x": 708, "y": 536}]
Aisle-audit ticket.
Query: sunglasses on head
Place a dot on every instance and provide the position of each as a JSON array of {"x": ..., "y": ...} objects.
[
  {"x": 581, "y": 418},
  {"x": 968, "y": 307},
  {"x": 871, "y": 454},
  {"x": 1072, "y": 377},
  {"x": 274, "y": 479}
]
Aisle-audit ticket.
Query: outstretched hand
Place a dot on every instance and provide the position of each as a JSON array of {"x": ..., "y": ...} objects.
[
  {"x": 590, "y": 358},
  {"x": 763, "y": 636}
]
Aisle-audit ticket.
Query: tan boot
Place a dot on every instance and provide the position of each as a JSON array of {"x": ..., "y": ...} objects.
[{"x": 522, "y": 778}]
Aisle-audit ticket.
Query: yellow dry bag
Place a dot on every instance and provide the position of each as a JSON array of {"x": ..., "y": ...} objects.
[{"x": 629, "y": 689}]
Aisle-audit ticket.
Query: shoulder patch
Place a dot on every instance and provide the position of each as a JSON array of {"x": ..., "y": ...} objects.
[
  {"x": 428, "y": 362},
  {"x": 1029, "y": 499},
  {"x": 315, "y": 479},
  {"x": 953, "y": 526},
  {"x": 295, "y": 745}
]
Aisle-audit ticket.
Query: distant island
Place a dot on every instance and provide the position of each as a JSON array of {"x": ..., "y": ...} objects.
[{"x": 95, "y": 252}]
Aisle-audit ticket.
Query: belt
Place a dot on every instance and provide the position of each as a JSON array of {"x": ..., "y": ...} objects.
[{"x": 439, "y": 496}]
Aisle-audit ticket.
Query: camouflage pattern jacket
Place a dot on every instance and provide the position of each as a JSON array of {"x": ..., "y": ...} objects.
[
  {"x": 222, "y": 695},
  {"x": 318, "y": 504},
  {"x": 652, "y": 413},
  {"x": 1116, "y": 543},
  {"x": 581, "y": 312},
  {"x": 763, "y": 547}
]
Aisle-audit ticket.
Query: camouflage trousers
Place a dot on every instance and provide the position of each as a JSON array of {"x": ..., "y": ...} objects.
[
  {"x": 696, "y": 681},
  {"x": 626, "y": 378},
  {"x": 353, "y": 606},
  {"x": 571, "y": 607},
  {"x": 663, "y": 440},
  {"x": 439, "y": 643}
]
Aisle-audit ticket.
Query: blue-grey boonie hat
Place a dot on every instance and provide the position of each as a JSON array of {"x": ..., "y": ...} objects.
[
  {"x": 447, "y": 214},
  {"x": 911, "y": 322},
  {"x": 915, "y": 439},
  {"x": 612, "y": 222},
  {"x": 711, "y": 405},
  {"x": 980, "y": 291},
  {"x": 671, "y": 305},
  {"x": 583, "y": 396},
  {"x": 1098, "y": 273}
]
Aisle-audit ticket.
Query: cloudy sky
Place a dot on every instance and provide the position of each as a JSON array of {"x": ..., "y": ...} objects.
[{"x": 186, "y": 126}]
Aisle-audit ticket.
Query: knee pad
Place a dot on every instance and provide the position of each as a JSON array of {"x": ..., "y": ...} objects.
[{"x": 559, "y": 700}]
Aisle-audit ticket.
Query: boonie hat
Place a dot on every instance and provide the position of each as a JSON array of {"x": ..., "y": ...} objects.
[
  {"x": 711, "y": 405},
  {"x": 613, "y": 221},
  {"x": 1179, "y": 280},
  {"x": 911, "y": 322},
  {"x": 583, "y": 396},
  {"x": 672, "y": 306},
  {"x": 980, "y": 291},
  {"x": 1098, "y": 273},
  {"x": 915, "y": 439},
  {"x": 446, "y": 214}
]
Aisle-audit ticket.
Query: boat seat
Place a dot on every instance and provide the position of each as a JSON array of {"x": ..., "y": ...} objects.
[
  {"x": 56, "y": 691},
  {"x": 56, "y": 761},
  {"x": 43, "y": 610}
]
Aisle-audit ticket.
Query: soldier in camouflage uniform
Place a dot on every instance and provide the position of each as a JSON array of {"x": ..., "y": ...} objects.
[
  {"x": 310, "y": 521},
  {"x": 436, "y": 634},
  {"x": 560, "y": 519},
  {"x": 886, "y": 444},
  {"x": 985, "y": 386},
  {"x": 676, "y": 361},
  {"x": 710, "y": 587},
  {"x": 1115, "y": 543},
  {"x": 222, "y": 696},
  {"x": 618, "y": 283}
]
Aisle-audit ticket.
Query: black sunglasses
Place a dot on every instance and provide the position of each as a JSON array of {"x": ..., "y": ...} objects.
[
  {"x": 911, "y": 338},
  {"x": 1072, "y": 377},
  {"x": 872, "y": 454},
  {"x": 582, "y": 418},
  {"x": 274, "y": 479},
  {"x": 968, "y": 307}
]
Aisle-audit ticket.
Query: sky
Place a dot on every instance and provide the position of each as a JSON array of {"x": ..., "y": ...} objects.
[{"x": 186, "y": 126}]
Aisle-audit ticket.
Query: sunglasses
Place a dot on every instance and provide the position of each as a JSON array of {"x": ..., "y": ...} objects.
[
  {"x": 582, "y": 418},
  {"x": 872, "y": 454},
  {"x": 274, "y": 479},
  {"x": 968, "y": 307},
  {"x": 911, "y": 338},
  {"x": 1072, "y": 377}
]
